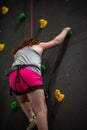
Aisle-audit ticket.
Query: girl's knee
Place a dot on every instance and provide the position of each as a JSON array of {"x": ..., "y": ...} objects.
[
  {"x": 22, "y": 98},
  {"x": 42, "y": 110}
]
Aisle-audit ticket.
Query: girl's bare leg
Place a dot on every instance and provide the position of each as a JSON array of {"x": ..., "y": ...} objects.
[
  {"x": 26, "y": 106},
  {"x": 37, "y": 99}
]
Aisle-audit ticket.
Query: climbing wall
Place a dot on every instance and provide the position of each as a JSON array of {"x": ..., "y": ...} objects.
[
  {"x": 14, "y": 27},
  {"x": 65, "y": 65}
]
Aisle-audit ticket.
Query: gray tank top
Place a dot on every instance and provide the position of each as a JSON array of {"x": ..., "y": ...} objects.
[{"x": 27, "y": 56}]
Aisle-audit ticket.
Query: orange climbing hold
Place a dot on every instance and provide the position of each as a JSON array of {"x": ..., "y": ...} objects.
[
  {"x": 43, "y": 23},
  {"x": 4, "y": 10},
  {"x": 59, "y": 96},
  {"x": 2, "y": 46}
]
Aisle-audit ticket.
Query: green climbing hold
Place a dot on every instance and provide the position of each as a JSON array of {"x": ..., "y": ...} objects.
[
  {"x": 14, "y": 105},
  {"x": 22, "y": 16},
  {"x": 69, "y": 34},
  {"x": 43, "y": 68}
]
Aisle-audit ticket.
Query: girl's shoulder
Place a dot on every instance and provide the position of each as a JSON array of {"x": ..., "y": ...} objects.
[{"x": 37, "y": 48}]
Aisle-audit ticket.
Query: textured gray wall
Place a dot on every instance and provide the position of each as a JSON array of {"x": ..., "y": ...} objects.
[{"x": 67, "y": 74}]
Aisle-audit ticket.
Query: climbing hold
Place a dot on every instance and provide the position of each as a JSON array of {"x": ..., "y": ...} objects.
[
  {"x": 43, "y": 23},
  {"x": 4, "y": 10},
  {"x": 2, "y": 46},
  {"x": 43, "y": 68},
  {"x": 22, "y": 16},
  {"x": 69, "y": 34},
  {"x": 59, "y": 96},
  {"x": 14, "y": 105}
]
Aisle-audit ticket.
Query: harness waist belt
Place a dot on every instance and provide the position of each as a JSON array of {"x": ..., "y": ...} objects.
[{"x": 7, "y": 72}]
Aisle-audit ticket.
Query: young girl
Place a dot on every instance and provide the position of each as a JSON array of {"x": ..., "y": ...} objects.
[{"x": 26, "y": 81}]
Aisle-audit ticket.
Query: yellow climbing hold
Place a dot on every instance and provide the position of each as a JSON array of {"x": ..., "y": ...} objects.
[
  {"x": 4, "y": 10},
  {"x": 43, "y": 23},
  {"x": 59, "y": 96},
  {"x": 2, "y": 46}
]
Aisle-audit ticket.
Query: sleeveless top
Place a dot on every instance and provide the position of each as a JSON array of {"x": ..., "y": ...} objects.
[{"x": 26, "y": 56}]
